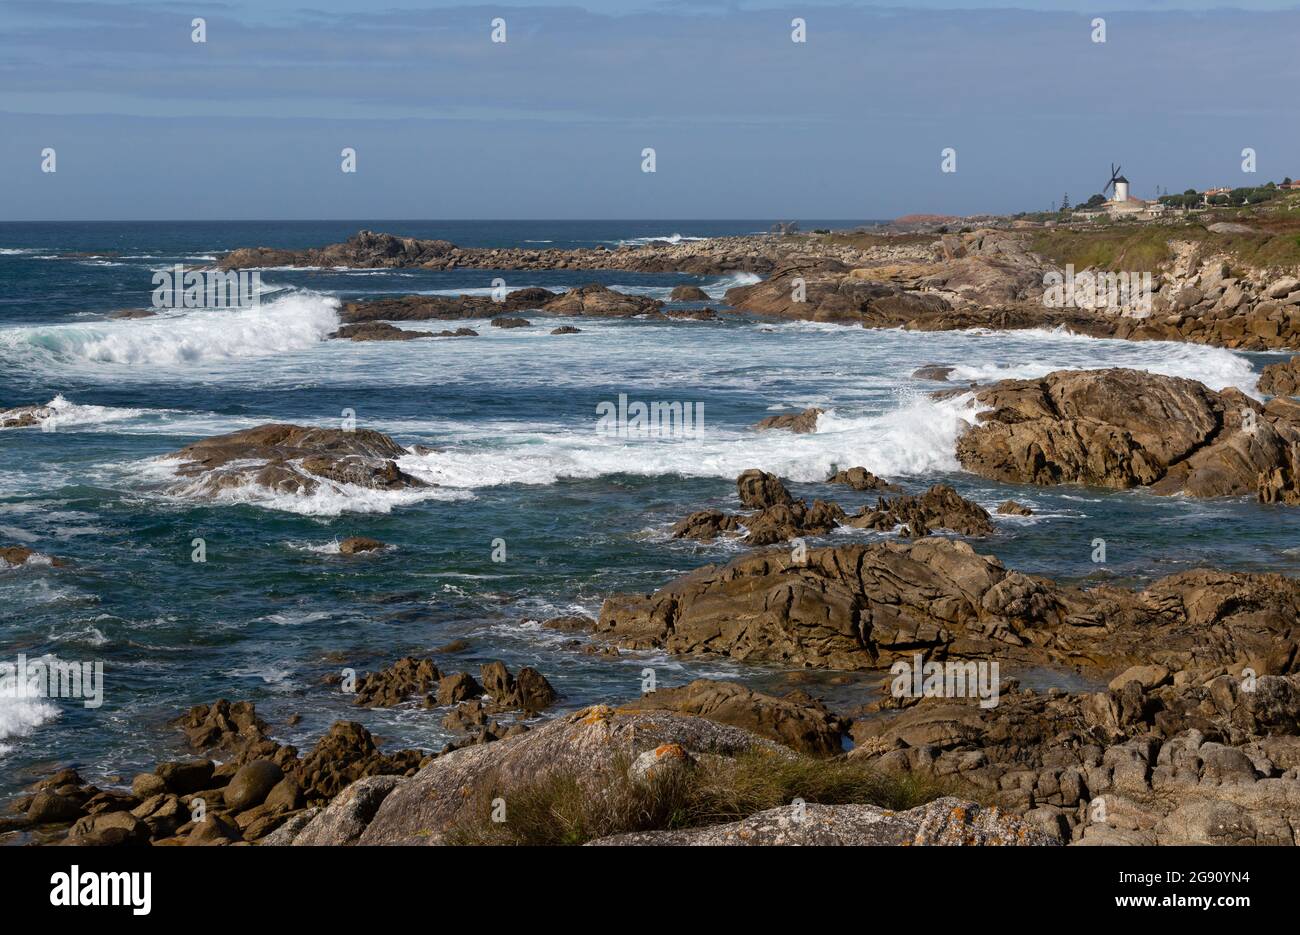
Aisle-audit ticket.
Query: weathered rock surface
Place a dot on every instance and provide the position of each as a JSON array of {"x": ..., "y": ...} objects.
[
  {"x": 601, "y": 301},
  {"x": 802, "y": 423},
  {"x": 940, "y": 507},
  {"x": 860, "y": 478},
  {"x": 1185, "y": 760},
  {"x": 779, "y": 516},
  {"x": 391, "y": 686},
  {"x": 1281, "y": 379},
  {"x": 1128, "y": 428},
  {"x": 291, "y": 459},
  {"x": 356, "y": 545},
  {"x": 862, "y": 606},
  {"x": 944, "y": 822},
  {"x": 797, "y": 721},
  {"x": 458, "y": 786}
]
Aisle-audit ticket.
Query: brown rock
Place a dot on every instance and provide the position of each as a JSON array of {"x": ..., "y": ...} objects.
[
  {"x": 803, "y": 423},
  {"x": 861, "y": 479},
  {"x": 797, "y": 721}
]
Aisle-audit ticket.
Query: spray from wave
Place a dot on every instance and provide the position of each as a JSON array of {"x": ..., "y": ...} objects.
[
  {"x": 291, "y": 323},
  {"x": 21, "y": 712}
]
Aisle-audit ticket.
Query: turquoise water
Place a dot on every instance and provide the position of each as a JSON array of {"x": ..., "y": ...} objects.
[{"x": 511, "y": 417}]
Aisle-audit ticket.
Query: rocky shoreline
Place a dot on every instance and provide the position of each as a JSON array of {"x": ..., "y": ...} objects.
[
  {"x": 987, "y": 278},
  {"x": 1190, "y": 735}
]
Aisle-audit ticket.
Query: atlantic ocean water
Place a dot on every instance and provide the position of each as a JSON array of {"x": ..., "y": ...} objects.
[{"x": 508, "y": 424}]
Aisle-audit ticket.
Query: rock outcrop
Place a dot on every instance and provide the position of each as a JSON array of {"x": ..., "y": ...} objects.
[
  {"x": 443, "y": 307},
  {"x": 797, "y": 721},
  {"x": 864, "y": 606},
  {"x": 371, "y": 250},
  {"x": 258, "y": 787},
  {"x": 21, "y": 417},
  {"x": 689, "y": 294},
  {"x": 1128, "y": 428},
  {"x": 1277, "y": 379},
  {"x": 14, "y": 555},
  {"x": 601, "y": 301},
  {"x": 1156, "y": 760},
  {"x": 940, "y": 507},
  {"x": 377, "y": 331},
  {"x": 291, "y": 459},
  {"x": 589, "y": 744},
  {"x": 801, "y": 423},
  {"x": 778, "y": 517},
  {"x": 861, "y": 479}
]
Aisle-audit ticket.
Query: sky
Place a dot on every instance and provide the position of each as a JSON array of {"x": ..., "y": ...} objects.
[{"x": 852, "y": 123}]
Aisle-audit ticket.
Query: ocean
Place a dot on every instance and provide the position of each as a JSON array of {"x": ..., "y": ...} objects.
[{"x": 510, "y": 420}]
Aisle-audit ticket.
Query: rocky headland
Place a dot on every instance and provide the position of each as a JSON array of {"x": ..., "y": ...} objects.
[{"x": 985, "y": 278}]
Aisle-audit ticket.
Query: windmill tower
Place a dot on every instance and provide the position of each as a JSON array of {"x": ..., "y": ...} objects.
[{"x": 1119, "y": 183}]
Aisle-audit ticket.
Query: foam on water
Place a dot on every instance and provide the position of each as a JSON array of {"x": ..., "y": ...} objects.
[
  {"x": 1216, "y": 367},
  {"x": 919, "y": 437},
  {"x": 293, "y": 322},
  {"x": 329, "y": 498},
  {"x": 21, "y": 713}
]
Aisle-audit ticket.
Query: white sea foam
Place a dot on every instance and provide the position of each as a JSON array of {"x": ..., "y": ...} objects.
[
  {"x": 21, "y": 713},
  {"x": 291, "y": 323},
  {"x": 670, "y": 238},
  {"x": 917, "y": 438},
  {"x": 329, "y": 498},
  {"x": 1216, "y": 367},
  {"x": 718, "y": 289}
]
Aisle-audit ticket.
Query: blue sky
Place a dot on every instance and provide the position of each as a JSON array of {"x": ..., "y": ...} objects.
[{"x": 551, "y": 124}]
